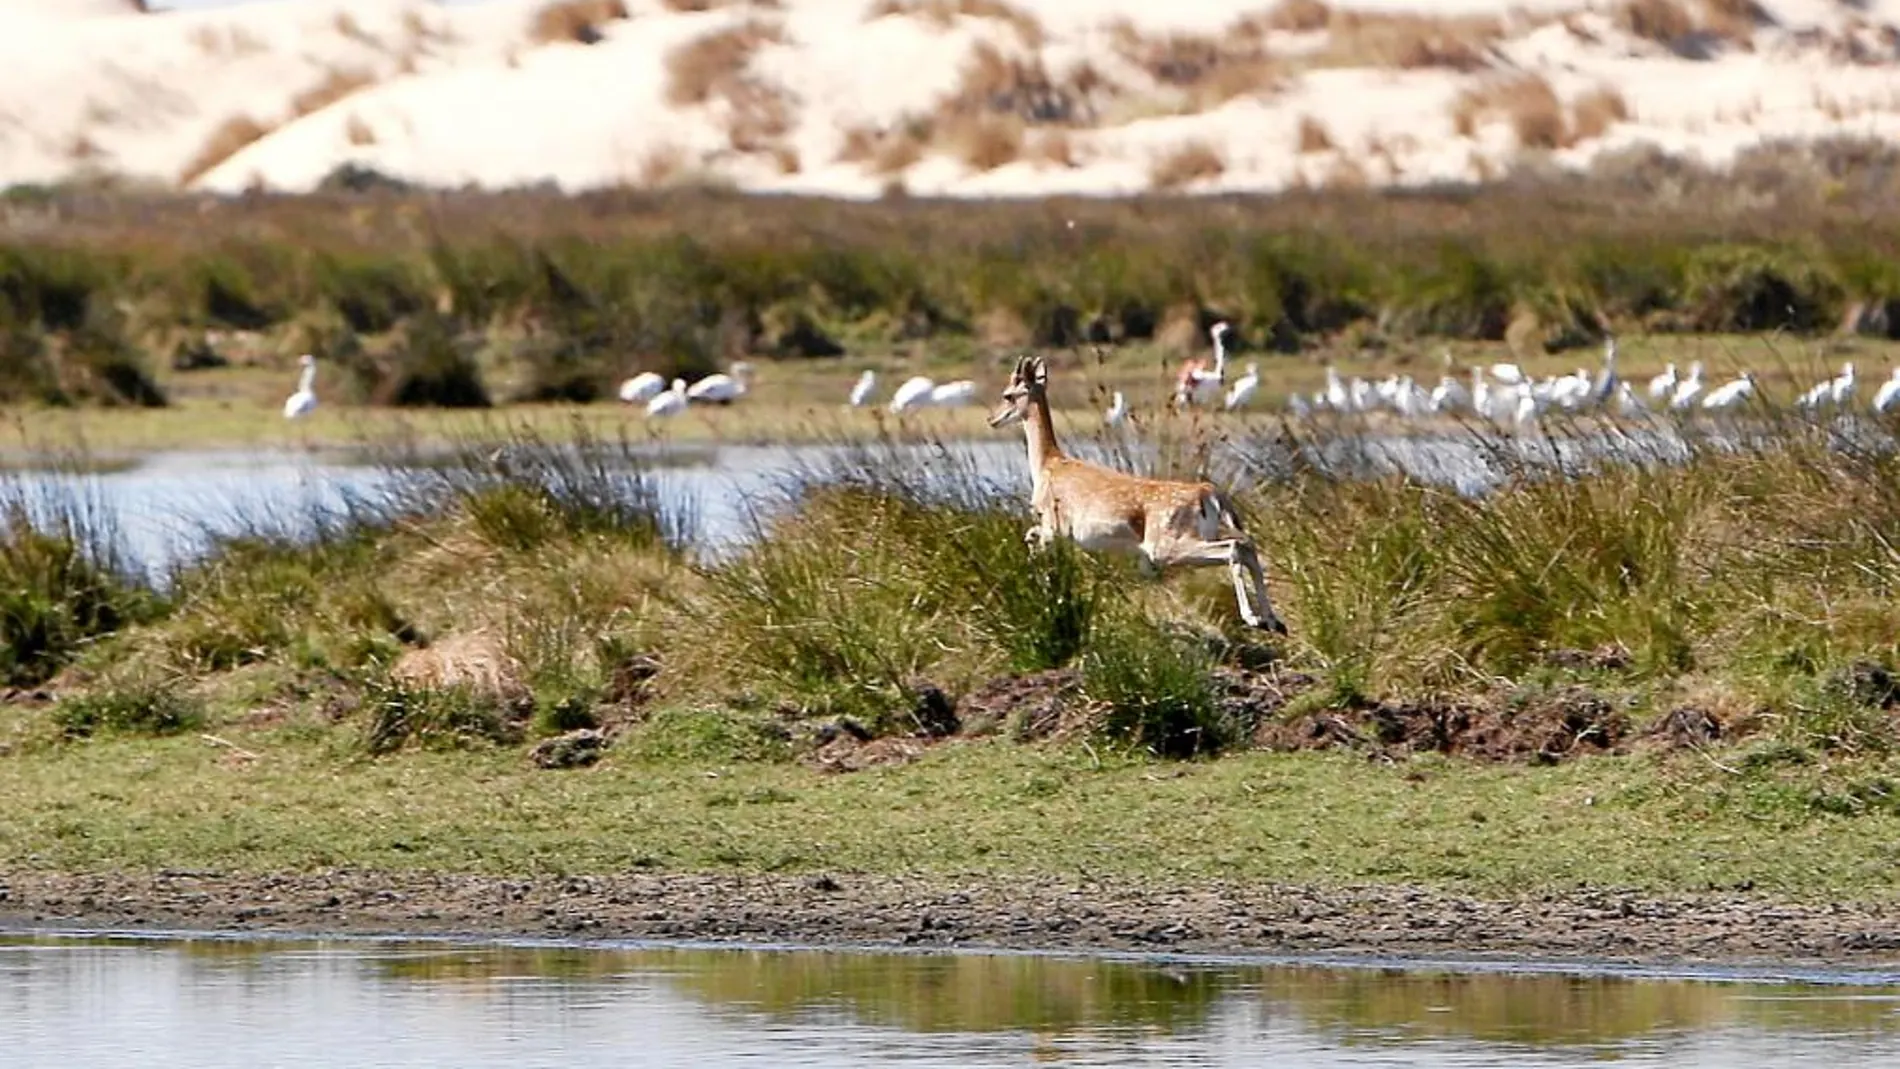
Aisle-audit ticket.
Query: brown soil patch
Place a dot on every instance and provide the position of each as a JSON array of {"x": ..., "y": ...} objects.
[
  {"x": 1038, "y": 705},
  {"x": 1543, "y": 728}
]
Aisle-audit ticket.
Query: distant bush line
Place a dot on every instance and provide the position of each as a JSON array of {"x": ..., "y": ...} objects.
[{"x": 419, "y": 293}]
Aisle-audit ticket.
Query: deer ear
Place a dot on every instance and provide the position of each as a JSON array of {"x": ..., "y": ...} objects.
[{"x": 1040, "y": 369}]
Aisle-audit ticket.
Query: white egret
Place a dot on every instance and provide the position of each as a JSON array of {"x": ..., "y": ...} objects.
[
  {"x": 1244, "y": 387},
  {"x": 670, "y": 403},
  {"x": 861, "y": 392},
  {"x": 641, "y": 388},
  {"x": 1889, "y": 392},
  {"x": 721, "y": 388},
  {"x": 299, "y": 404},
  {"x": 1117, "y": 411},
  {"x": 1687, "y": 389},
  {"x": 1730, "y": 395},
  {"x": 914, "y": 392},
  {"x": 950, "y": 394}
]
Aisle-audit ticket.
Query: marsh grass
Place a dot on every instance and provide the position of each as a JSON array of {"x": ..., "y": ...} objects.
[
  {"x": 545, "y": 298},
  {"x": 65, "y": 580}
]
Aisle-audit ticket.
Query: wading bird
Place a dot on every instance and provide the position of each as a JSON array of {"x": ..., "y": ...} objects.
[
  {"x": 1889, "y": 392},
  {"x": 951, "y": 394},
  {"x": 1730, "y": 395},
  {"x": 914, "y": 392},
  {"x": 721, "y": 388},
  {"x": 641, "y": 388},
  {"x": 1244, "y": 387},
  {"x": 299, "y": 404},
  {"x": 861, "y": 392},
  {"x": 670, "y": 403},
  {"x": 1117, "y": 411},
  {"x": 1164, "y": 522},
  {"x": 1196, "y": 385}
]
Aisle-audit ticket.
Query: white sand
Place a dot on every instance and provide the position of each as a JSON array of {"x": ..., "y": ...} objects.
[{"x": 463, "y": 95}]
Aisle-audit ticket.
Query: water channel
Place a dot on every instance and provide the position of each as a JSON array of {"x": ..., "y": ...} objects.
[{"x": 145, "y": 1002}]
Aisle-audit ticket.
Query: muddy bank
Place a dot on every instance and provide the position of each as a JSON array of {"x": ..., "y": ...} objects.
[{"x": 971, "y": 912}]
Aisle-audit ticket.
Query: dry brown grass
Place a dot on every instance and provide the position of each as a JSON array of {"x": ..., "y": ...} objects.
[
  {"x": 889, "y": 151},
  {"x": 1593, "y": 113},
  {"x": 994, "y": 83},
  {"x": 1208, "y": 70},
  {"x": 1734, "y": 21},
  {"x": 1194, "y": 161},
  {"x": 983, "y": 142},
  {"x": 358, "y": 132},
  {"x": 706, "y": 66},
  {"x": 1296, "y": 16},
  {"x": 1313, "y": 135},
  {"x": 230, "y": 137},
  {"x": 1665, "y": 22},
  {"x": 1526, "y": 101},
  {"x": 337, "y": 83},
  {"x": 1392, "y": 41},
  {"x": 663, "y": 166},
  {"x": 346, "y": 25},
  {"x": 232, "y": 42},
  {"x": 574, "y": 21},
  {"x": 716, "y": 67},
  {"x": 1054, "y": 148},
  {"x": 944, "y": 14}
]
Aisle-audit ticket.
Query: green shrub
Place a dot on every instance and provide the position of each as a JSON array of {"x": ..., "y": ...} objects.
[
  {"x": 1155, "y": 688},
  {"x": 138, "y": 708}
]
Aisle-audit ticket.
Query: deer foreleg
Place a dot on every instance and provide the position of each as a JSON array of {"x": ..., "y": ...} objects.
[{"x": 1243, "y": 566}]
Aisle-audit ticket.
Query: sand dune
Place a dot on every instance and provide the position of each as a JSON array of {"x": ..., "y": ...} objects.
[{"x": 941, "y": 97}]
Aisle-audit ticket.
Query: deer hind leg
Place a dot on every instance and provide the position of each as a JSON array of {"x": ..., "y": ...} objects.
[{"x": 1243, "y": 566}]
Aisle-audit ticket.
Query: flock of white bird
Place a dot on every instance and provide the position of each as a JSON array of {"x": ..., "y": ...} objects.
[
  {"x": 1500, "y": 393},
  {"x": 662, "y": 400}
]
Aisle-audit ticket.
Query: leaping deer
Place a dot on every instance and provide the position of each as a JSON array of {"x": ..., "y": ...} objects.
[{"x": 1164, "y": 521}]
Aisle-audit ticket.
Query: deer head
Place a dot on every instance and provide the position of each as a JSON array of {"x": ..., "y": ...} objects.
[{"x": 1028, "y": 384}]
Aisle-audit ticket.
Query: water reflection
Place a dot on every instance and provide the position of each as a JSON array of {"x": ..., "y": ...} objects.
[{"x": 199, "y": 1002}]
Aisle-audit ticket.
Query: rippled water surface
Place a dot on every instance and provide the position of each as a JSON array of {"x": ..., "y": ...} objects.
[{"x": 201, "y": 1002}]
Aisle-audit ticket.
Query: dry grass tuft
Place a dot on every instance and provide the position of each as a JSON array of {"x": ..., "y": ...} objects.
[
  {"x": 1195, "y": 161},
  {"x": 1593, "y": 113},
  {"x": 889, "y": 151},
  {"x": 1526, "y": 101},
  {"x": 358, "y": 132},
  {"x": 993, "y": 83},
  {"x": 1665, "y": 22},
  {"x": 707, "y": 66},
  {"x": 337, "y": 83},
  {"x": 1207, "y": 70},
  {"x": 983, "y": 142},
  {"x": 227, "y": 140},
  {"x": 1734, "y": 21},
  {"x": 1297, "y": 16},
  {"x": 574, "y": 21},
  {"x": 944, "y": 13},
  {"x": 1313, "y": 135},
  {"x": 1054, "y": 148},
  {"x": 1392, "y": 41},
  {"x": 663, "y": 166},
  {"x": 716, "y": 67},
  {"x": 346, "y": 25}
]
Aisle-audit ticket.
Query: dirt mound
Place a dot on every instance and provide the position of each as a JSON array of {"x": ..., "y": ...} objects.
[
  {"x": 1038, "y": 705},
  {"x": 1542, "y": 728},
  {"x": 847, "y": 752}
]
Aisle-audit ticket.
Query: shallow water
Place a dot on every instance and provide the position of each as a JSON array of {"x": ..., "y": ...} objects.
[
  {"x": 167, "y": 505},
  {"x": 204, "y": 1002}
]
